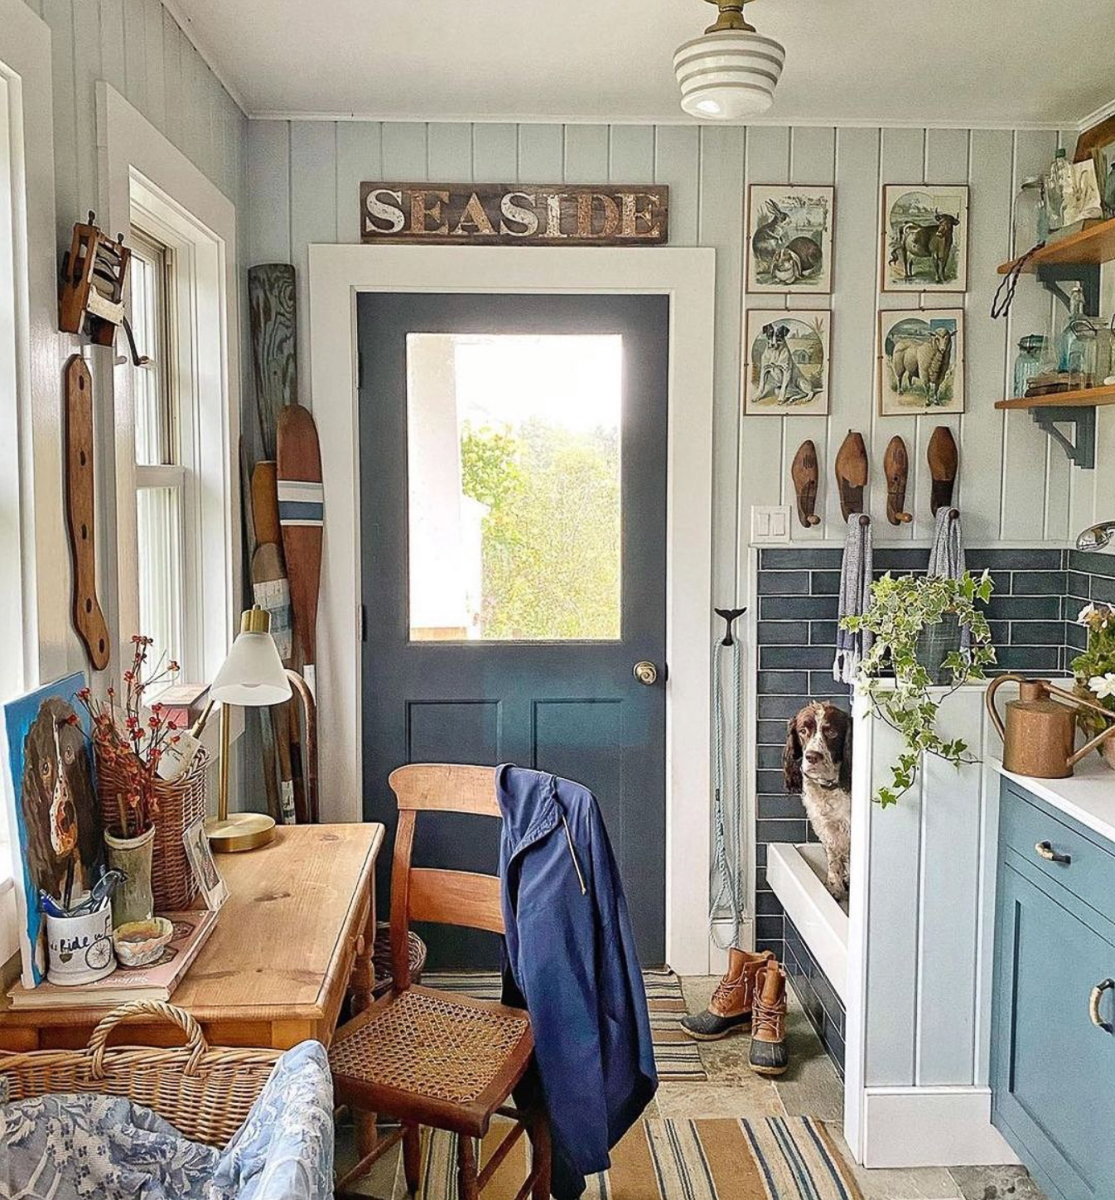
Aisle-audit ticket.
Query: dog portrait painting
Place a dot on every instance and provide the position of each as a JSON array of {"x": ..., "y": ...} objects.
[
  {"x": 786, "y": 363},
  {"x": 51, "y": 806},
  {"x": 817, "y": 765}
]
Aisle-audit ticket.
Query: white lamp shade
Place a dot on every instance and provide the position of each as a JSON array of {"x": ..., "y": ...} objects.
[
  {"x": 253, "y": 675},
  {"x": 728, "y": 75}
]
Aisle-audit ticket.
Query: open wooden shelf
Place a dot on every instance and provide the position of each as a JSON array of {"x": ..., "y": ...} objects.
[
  {"x": 1083, "y": 398},
  {"x": 1090, "y": 247}
]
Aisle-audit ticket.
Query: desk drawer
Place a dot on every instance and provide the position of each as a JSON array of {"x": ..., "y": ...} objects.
[{"x": 1088, "y": 873}]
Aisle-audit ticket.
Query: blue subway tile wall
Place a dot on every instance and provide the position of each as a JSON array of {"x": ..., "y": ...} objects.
[
  {"x": 1037, "y": 595},
  {"x": 818, "y": 998}
]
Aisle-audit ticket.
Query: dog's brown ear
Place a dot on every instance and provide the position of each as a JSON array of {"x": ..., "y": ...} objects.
[
  {"x": 846, "y": 754},
  {"x": 791, "y": 758}
]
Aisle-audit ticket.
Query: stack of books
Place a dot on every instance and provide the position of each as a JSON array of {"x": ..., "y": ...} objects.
[{"x": 156, "y": 982}]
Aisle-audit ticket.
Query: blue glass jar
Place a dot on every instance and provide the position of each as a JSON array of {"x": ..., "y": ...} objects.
[{"x": 1028, "y": 363}]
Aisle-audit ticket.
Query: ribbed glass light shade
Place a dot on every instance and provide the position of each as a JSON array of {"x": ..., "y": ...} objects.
[
  {"x": 252, "y": 675},
  {"x": 728, "y": 75}
]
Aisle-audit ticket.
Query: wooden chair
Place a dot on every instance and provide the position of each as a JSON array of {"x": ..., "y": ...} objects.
[{"x": 436, "y": 1058}]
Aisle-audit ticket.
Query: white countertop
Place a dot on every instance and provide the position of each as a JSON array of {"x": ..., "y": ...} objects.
[{"x": 1087, "y": 796}]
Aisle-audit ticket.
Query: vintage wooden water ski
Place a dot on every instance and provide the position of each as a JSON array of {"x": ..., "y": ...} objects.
[{"x": 271, "y": 295}]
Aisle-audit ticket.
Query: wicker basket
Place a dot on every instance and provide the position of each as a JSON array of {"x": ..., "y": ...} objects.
[
  {"x": 205, "y": 1094},
  {"x": 381, "y": 958},
  {"x": 179, "y": 804}
]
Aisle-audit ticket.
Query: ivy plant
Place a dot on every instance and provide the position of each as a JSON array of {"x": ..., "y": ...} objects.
[{"x": 900, "y": 609}]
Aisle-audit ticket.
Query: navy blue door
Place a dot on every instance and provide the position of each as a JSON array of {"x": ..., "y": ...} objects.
[{"x": 513, "y": 509}]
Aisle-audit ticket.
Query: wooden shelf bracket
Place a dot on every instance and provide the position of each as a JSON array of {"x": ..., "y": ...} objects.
[{"x": 1082, "y": 449}]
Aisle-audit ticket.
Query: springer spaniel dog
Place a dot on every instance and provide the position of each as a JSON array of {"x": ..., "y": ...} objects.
[{"x": 817, "y": 764}]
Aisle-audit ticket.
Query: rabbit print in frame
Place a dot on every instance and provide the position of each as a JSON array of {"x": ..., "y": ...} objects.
[{"x": 789, "y": 238}]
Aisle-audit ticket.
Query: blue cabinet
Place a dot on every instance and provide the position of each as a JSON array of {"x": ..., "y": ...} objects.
[{"x": 1052, "y": 1065}]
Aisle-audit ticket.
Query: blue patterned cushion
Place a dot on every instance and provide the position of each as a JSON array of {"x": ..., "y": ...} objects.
[{"x": 91, "y": 1147}]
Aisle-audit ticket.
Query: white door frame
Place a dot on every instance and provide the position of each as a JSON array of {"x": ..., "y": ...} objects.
[{"x": 337, "y": 274}]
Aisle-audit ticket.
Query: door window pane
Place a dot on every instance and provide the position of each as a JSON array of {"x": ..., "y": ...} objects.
[{"x": 514, "y": 486}]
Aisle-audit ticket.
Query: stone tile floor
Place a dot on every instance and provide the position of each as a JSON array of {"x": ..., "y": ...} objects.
[{"x": 809, "y": 1088}]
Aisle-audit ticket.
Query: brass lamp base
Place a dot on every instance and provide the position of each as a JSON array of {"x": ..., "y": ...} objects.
[{"x": 239, "y": 831}]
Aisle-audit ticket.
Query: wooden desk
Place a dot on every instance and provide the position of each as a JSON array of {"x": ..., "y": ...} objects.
[{"x": 298, "y": 925}]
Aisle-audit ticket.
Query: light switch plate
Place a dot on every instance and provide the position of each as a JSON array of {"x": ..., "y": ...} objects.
[{"x": 770, "y": 523}]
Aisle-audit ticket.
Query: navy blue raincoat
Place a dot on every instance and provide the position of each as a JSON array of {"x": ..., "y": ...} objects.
[{"x": 571, "y": 962}]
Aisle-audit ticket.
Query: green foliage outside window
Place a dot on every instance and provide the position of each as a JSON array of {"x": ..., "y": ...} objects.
[{"x": 551, "y": 535}]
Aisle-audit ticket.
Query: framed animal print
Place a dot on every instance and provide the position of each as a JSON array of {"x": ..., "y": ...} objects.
[
  {"x": 786, "y": 362},
  {"x": 1098, "y": 144},
  {"x": 921, "y": 368},
  {"x": 925, "y": 238},
  {"x": 57, "y": 843},
  {"x": 789, "y": 238}
]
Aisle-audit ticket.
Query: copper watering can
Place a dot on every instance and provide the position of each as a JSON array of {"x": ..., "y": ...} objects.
[{"x": 1040, "y": 732}]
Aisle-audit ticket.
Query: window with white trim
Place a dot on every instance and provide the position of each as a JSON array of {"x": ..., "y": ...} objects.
[{"x": 162, "y": 511}]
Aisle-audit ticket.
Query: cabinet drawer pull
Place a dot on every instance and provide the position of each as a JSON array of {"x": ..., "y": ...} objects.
[
  {"x": 1046, "y": 851},
  {"x": 1094, "y": 1005}
]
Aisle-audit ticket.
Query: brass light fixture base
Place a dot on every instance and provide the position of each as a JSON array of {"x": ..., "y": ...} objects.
[
  {"x": 731, "y": 17},
  {"x": 239, "y": 831}
]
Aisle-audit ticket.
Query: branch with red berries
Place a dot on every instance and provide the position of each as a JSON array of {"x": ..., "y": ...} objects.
[{"x": 123, "y": 739}]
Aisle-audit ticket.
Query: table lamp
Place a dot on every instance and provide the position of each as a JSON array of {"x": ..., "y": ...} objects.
[{"x": 252, "y": 676}]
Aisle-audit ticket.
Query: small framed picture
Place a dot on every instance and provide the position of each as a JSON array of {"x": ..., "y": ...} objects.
[
  {"x": 789, "y": 238},
  {"x": 921, "y": 368},
  {"x": 925, "y": 238},
  {"x": 1098, "y": 144},
  {"x": 786, "y": 362},
  {"x": 209, "y": 880}
]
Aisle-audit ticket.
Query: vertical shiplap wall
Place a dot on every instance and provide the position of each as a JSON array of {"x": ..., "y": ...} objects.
[
  {"x": 138, "y": 48},
  {"x": 1015, "y": 485}
]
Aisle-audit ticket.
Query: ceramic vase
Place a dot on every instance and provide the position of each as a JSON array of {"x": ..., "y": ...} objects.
[
  {"x": 79, "y": 949},
  {"x": 133, "y": 899}
]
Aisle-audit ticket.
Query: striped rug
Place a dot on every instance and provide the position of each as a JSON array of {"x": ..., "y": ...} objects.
[
  {"x": 770, "y": 1158},
  {"x": 675, "y": 1055}
]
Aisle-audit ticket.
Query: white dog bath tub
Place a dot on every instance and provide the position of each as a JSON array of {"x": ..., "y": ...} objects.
[{"x": 796, "y": 875}]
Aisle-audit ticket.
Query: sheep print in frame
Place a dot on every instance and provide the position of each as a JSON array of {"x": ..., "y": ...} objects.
[
  {"x": 925, "y": 238},
  {"x": 57, "y": 846},
  {"x": 922, "y": 362},
  {"x": 789, "y": 238},
  {"x": 786, "y": 362}
]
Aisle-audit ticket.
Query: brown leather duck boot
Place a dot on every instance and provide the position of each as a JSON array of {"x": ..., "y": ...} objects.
[
  {"x": 730, "y": 1006},
  {"x": 769, "y": 1055}
]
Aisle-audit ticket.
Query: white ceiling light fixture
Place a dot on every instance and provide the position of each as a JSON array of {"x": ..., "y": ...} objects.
[{"x": 731, "y": 72}]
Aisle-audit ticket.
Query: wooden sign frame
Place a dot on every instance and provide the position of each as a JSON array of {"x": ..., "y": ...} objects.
[{"x": 510, "y": 214}]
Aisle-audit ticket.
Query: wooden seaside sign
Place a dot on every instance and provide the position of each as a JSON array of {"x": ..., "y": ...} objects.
[{"x": 490, "y": 214}]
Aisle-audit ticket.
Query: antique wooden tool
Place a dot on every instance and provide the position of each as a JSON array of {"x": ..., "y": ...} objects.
[
  {"x": 943, "y": 463},
  {"x": 896, "y": 467},
  {"x": 851, "y": 473},
  {"x": 301, "y": 511},
  {"x": 805, "y": 475},
  {"x": 89, "y": 621},
  {"x": 1040, "y": 732},
  {"x": 94, "y": 277}
]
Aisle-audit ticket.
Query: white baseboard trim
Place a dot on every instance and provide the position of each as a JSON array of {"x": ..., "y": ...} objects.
[{"x": 931, "y": 1127}]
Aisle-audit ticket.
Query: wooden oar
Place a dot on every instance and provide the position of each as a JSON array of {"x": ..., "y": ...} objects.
[{"x": 301, "y": 509}]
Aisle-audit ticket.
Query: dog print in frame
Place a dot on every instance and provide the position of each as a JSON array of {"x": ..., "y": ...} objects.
[
  {"x": 786, "y": 362},
  {"x": 924, "y": 238},
  {"x": 789, "y": 238}
]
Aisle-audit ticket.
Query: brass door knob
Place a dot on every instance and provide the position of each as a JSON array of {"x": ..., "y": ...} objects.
[{"x": 645, "y": 672}]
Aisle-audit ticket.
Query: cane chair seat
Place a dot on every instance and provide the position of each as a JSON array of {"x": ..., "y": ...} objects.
[{"x": 424, "y": 1047}]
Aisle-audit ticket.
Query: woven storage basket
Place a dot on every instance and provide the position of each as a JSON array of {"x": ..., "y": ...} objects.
[
  {"x": 205, "y": 1094},
  {"x": 180, "y": 804}
]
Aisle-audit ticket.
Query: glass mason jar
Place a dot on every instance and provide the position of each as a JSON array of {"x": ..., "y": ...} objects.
[{"x": 1028, "y": 363}]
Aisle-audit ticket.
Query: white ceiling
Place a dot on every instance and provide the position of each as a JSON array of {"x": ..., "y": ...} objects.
[{"x": 944, "y": 62}]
